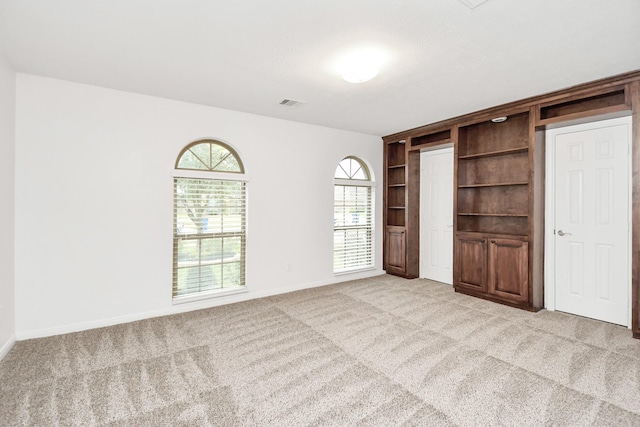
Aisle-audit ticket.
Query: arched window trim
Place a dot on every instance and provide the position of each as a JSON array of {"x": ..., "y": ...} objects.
[
  {"x": 211, "y": 142},
  {"x": 213, "y": 176},
  {"x": 363, "y": 165},
  {"x": 352, "y": 260},
  {"x": 355, "y": 181}
]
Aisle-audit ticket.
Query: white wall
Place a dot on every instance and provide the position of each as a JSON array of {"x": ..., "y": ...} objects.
[
  {"x": 94, "y": 202},
  {"x": 7, "y": 140}
]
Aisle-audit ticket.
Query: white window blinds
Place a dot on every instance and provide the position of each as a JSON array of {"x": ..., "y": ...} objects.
[
  {"x": 352, "y": 218},
  {"x": 209, "y": 220},
  {"x": 209, "y": 235}
]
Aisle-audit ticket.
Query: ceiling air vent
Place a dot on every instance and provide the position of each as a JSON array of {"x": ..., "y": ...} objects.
[{"x": 292, "y": 103}]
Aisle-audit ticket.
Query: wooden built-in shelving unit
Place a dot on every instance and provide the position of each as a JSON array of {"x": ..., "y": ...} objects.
[
  {"x": 499, "y": 189},
  {"x": 396, "y": 184},
  {"x": 492, "y": 202}
]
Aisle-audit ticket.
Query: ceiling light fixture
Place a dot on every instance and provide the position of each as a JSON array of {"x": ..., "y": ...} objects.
[
  {"x": 361, "y": 65},
  {"x": 499, "y": 119},
  {"x": 360, "y": 73}
]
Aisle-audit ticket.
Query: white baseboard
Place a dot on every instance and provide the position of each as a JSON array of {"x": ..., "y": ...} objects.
[
  {"x": 191, "y": 306},
  {"x": 6, "y": 347}
]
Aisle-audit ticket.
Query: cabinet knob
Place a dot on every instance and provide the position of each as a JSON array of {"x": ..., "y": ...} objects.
[{"x": 493, "y": 241}]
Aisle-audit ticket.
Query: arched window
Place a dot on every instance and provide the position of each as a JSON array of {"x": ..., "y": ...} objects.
[
  {"x": 352, "y": 216},
  {"x": 209, "y": 220}
]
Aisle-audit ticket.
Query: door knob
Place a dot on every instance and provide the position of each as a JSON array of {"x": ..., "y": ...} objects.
[{"x": 562, "y": 233}]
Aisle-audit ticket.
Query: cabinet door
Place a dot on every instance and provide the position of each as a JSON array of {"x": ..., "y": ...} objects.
[
  {"x": 509, "y": 269},
  {"x": 471, "y": 263},
  {"x": 396, "y": 250}
]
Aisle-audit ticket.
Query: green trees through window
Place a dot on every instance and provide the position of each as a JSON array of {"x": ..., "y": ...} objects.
[
  {"x": 352, "y": 216},
  {"x": 209, "y": 219},
  {"x": 209, "y": 156}
]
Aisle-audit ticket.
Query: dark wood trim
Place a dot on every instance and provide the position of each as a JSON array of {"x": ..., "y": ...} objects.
[
  {"x": 430, "y": 140},
  {"x": 537, "y": 231},
  {"x": 586, "y": 114},
  {"x": 385, "y": 201},
  {"x": 572, "y": 92},
  {"x": 532, "y": 199},
  {"x": 454, "y": 138},
  {"x": 634, "y": 94},
  {"x": 430, "y": 145},
  {"x": 605, "y": 98},
  {"x": 586, "y": 93},
  {"x": 413, "y": 212}
]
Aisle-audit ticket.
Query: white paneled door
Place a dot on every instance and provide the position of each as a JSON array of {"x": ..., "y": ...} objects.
[
  {"x": 591, "y": 230},
  {"x": 436, "y": 215}
]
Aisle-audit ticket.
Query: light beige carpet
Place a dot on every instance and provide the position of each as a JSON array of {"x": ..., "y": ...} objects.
[{"x": 375, "y": 352}]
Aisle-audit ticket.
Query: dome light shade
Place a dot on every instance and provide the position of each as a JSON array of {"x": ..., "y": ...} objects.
[
  {"x": 360, "y": 73},
  {"x": 361, "y": 66}
]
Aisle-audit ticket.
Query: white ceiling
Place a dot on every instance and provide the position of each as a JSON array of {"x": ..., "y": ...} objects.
[{"x": 444, "y": 58}]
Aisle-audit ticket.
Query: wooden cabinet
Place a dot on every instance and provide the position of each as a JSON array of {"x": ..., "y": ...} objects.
[
  {"x": 396, "y": 183},
  {"x": 496, "y": 268},
  {"x": 401, "y": 236},
  {"x": 395, "y": 213},
  {"x": 495, "y": 223},
  {"x": 493, "y": 216},
  {"x": 499, "y": 189},
  {"x": 508, "y": 268},
  {"x": 470, "y": 259},
  {"x": 396, "y": 248},
  {"x": 493, "y": 176}
]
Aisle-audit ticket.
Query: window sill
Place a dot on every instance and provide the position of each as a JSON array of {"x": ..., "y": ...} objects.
[
  {"x": 218, "y": 293},
  {"x": 355, "y": 270}
]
